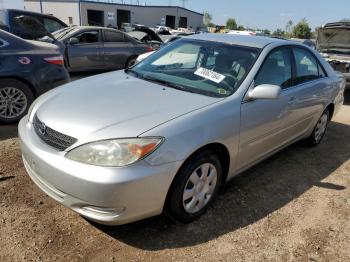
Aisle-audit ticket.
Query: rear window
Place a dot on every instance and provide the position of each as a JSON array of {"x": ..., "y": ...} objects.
[
  {"x": 27, "y": 27},
  {"x": 52, "y": 25}
]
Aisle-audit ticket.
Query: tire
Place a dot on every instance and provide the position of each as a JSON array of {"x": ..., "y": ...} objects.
[
  {"x": 319, "y": 130},
  {"x": 15, "y": 100},
  {"x": 184, "y": 207},
  {"x": 131, "y": 61}
]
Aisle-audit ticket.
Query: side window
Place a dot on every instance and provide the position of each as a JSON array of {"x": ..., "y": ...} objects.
[
  {"x": 52, "y": 25},
  {"x": 276, "y": 70},
  {"x": 88, "y": 37},
  {"x": 306, "y": 66},
  {"x": 113, "y": 37}
]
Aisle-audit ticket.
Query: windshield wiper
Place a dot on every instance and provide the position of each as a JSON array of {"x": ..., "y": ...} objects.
[{"x": 166, "y": 83}]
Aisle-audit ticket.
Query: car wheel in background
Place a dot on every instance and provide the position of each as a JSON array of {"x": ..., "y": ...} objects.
[
  {"x": 15, "y": 99},
  {"x": 194, "y": 187},
  {"x": 131, "y": 61},
  {"x": 320, "y": 130}
]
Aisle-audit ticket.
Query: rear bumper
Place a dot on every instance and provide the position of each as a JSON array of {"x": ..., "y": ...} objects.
[{"x": 110, "y": 196}]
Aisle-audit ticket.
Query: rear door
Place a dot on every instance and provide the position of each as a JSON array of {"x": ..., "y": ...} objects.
[
  {"x": 117, "y": 49},
  {"x": 308, "y": 93},
  {"x": 87, "y": 54}
]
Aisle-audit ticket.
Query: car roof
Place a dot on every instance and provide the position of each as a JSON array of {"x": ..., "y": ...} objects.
[{"x": 241, "y": 40}]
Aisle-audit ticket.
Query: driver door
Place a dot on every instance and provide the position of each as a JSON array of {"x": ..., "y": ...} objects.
[
  {"x": 87, "y": 54},
  {"x": 264, "y": 123}
]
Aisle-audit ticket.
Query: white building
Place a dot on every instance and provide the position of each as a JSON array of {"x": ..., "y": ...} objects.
[
  {"x": 11, "y": 4},
  {"x": 105, "y": 13}
]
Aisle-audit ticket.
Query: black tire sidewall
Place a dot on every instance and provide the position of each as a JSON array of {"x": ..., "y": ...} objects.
[
  {"x": 175, "y": 204},
  {"x": 25, "y": 89}
]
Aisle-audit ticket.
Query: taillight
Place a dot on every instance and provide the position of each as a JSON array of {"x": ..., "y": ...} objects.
[
  {"x": 55, "y": 60},
  {"x": 150, "y": 49}
]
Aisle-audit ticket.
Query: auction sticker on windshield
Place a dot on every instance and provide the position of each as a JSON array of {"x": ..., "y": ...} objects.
[{"x": 209, "y": 74}]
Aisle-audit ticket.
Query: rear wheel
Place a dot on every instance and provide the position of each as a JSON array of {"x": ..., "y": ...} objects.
[
  {"x": 320, "y": 130},
  {"x": 194, "y": 187},
  {"x": 15, "y": 99}
]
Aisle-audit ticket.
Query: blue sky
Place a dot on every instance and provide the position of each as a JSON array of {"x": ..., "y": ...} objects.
[{"x": 271, "y": 14}]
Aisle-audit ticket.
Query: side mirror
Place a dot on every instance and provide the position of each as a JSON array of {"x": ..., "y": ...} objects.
[
  {"x": 73, "y": 41},
  {"x": 265, "y": 92}
]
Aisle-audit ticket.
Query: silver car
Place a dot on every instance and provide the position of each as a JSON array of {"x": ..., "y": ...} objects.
[{"x": 163, "y": 136}]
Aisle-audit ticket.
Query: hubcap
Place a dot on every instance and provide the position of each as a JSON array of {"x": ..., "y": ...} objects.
[
  {"x": 199, "y": 188},
  {"x": 321, "y": 127},
  {"x": 13, "y": 102}
]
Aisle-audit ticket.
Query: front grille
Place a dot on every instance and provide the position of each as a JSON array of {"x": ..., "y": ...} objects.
[{"x": 51, "y": 137}]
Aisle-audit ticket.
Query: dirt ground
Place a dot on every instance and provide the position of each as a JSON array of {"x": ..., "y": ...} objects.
[{"x": 294, "y": 206}]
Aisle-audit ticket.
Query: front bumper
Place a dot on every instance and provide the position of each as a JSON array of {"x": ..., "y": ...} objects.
[{"x": 106, "y": 195}]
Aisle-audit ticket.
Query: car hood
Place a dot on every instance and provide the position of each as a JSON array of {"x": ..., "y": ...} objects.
[{"x": 114, "y": 105}]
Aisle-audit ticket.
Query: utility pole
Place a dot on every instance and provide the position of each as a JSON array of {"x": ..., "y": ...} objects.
[{"x": 41, "y": 6}]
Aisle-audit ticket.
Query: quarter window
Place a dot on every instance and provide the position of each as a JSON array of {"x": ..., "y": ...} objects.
[
  {"x": 306, "y": 66},
  {"x": 113, "y": 37},
  {"x": 276, "y": 70}
]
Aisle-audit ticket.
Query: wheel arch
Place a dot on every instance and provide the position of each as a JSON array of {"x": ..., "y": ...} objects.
[
  {"x": 27, "y": 83},
  {"x": 218, "y": 149}
]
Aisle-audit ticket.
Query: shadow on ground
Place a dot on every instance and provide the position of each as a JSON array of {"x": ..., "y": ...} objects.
[
  {"x": 248, "y": 198},
  {"x": 8, "y": 131}
]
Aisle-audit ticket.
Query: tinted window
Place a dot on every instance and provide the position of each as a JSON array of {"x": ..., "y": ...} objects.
[
  {"x": 306, "y": 66},
  {"x": 27, "y": 27},
  {"x": 111, "y": 36},
  {"x": 276, "y": 70},
  {"x": 52, "y": 25},
  {"x": 88, "y": 37}
]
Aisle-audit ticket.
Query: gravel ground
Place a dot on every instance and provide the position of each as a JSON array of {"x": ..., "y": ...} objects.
[{"x": 295, "y": 206}]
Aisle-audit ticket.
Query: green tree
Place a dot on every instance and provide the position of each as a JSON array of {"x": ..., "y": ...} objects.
[
  {"x": 345, "y": 20},
  {"x": 207, "y": 19},
  {"x": 231, "y": 24},
  {"x": 302, "y": 30},
  {"x": 266, "y": 32},
  {"x": 240, "y": 28},
  {"x": 279, "y": 33}
]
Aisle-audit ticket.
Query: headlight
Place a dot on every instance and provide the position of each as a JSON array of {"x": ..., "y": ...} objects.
[{"x": 116, "y": 152}]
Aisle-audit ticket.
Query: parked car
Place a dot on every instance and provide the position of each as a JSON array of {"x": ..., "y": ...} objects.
[
  {"x": 147, "y": 36},
  {"x": 25, "y": 24},
  {"x": 27, "y": 70},
  {"x": 98, "y": 48},
  {"x": 164, "y": 135},
  {"x": 334, "y": 45},
  {"x": 166, "y": 42}
]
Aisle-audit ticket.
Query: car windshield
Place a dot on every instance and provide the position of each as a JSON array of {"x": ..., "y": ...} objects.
[{"x": 203, "y": 67}]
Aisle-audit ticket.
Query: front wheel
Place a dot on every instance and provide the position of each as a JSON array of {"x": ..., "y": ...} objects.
[
  {"x": 195, "y": 187},
  {"x": 320, "y": 130},
  {"x": 15, "y": 99}
]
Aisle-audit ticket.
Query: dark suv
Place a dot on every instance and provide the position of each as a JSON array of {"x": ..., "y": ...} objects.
[{"x": 24, "y": 23}]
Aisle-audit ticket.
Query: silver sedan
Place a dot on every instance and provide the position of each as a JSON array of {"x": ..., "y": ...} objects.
[{"x": 163, "y": 136}]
